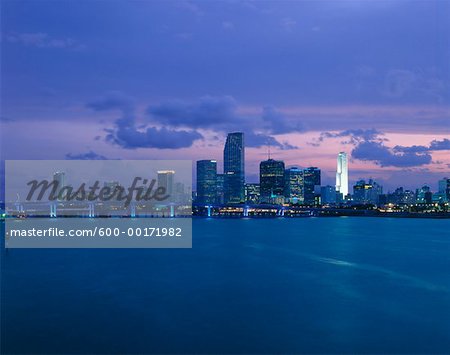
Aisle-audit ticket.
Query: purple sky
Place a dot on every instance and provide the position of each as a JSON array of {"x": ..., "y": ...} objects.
[{"x": 168, "y": 80}]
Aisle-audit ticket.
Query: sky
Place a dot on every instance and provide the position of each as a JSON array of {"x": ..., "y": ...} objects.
[{"x": 168, "y": 80}]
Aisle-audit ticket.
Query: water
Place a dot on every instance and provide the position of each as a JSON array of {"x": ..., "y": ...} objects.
[{"x": 248, "y": 286}]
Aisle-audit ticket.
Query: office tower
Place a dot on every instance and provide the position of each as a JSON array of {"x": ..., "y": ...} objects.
[
  {"x": 165, "y": 179},
  {"x": 328, "y": 194},
  {"x": 367, "y": 193},
  {"x": 293, "y": 185},
  {"x": 206, "y": 182},
  {"x": 444, "y": 188},
  {"x": 342, "y": 174},
  {"x": 220, "y": 182},
  {"x": 311, "y": 179},
  {"x": 271, "y": 180},
  {"x": 409, "y": 197},
  {"x": 252, "y": 193},
  {"x": 234, "y": 168},
  {"x": 60, "y": 178},
  {"x": 424, "y": 195}
]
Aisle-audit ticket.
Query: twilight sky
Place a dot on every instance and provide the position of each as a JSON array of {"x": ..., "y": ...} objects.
[{"x": 168, "y": 80}]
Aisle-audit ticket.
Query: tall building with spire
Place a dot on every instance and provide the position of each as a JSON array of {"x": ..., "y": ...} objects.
[
  {"x": 234, "y": 168},
  {"x": 342, "y": 174}
]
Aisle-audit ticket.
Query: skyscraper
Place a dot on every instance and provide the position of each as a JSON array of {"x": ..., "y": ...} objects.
[
  {"x": 60, "y": 178},
  {"x": 367, "y": 193},
  {"x": 293, "y": 185},
  {"x": 311, "y": 179},
  {"x": 342, "y": 174},
  {"x": 444, "y": 188},
  {"x": 165, "y": 179},
  {"x": 328, "y": 194},
  {"x": 234, "y": 168},
  {"x": 271, "y": 180},
  {"x": 206, "y": 181}
]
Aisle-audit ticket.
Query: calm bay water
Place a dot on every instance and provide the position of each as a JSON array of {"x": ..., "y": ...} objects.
[{"x": 247, "y": 286}]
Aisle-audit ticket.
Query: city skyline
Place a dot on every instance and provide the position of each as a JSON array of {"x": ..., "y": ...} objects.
[
  {"x": 281, "y": 185},
  {"x": 341, "y": 172}
]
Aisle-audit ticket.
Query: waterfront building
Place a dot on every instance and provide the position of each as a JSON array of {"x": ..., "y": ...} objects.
[
  {"x": 444, "y": 188},
  {"x": 252, "y": 193},
  {"x": 271, "y": 180},
  {"x": 342, "y": 174},
  {"x": 206, "y": 182},
  {"x": 234, "y": 168},
  {"x": 367, "y": 193},
  {"x": 409, "y": 197},
  {"x": 424, "y": 195},
  {"x": 166, "y": 180},
  {"x": 401, "y": 197},
  {"x": 311, "y": 179},
  {"x": 293, "y": 185},
  {"x": 328, "y": 194}
]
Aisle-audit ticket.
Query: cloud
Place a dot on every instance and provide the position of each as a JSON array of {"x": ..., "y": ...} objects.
[
  {"x": 126, "y": 134},
  {"x": 257, "y": 140},
  {"x": 381, "y": 155},
  {"x": 277, "y": 123},
  {"x": 219, "y": 113},
  {"x": 152, "y": 137},
  {"x": 440, "y": 145},
  {"x": 207, "y": 112},
  {"x": 91, "y": 155},
  {"x": 43, "y": 40},
  {"x": 433, "y": 146},
  {"x": 369, "y": 145},
  {"x": 175, "y": 124},
  {"x": 355, "y": 136},
  {"x": 412, "y": 149}
]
